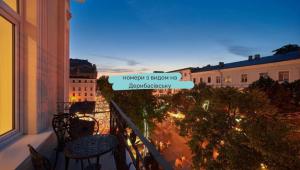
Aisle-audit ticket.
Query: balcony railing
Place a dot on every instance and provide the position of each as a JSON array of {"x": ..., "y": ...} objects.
[
  {"x": 133, "y": 149},
  {"x": 132, "y": 142}
]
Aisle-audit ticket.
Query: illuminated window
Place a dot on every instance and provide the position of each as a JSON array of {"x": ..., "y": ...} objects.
[
  {"x": 228, "y": 79},
  {"x": 244, "y": 78},
  {"x": 6, "y": 75},
  {"x": 13, "y": 4},
  {"x": 283, "y": 76}
]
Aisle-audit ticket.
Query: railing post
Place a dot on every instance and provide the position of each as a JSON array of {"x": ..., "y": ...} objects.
[{"x": 117, "y": 129}]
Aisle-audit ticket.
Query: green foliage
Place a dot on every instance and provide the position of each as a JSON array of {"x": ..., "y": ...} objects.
[
  {"x": 285, "y": 96},
  {"x": 105, "y": 88},
  {"x": 286, "y": 49},
  {"x": 241, "y": 126},
  {"x": 137, "y": 104}
]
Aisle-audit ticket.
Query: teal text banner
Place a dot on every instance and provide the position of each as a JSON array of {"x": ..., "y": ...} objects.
[{"x": 149, "y": 81}]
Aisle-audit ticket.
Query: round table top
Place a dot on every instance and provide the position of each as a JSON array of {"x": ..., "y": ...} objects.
[{"x": 90, "y": 146}]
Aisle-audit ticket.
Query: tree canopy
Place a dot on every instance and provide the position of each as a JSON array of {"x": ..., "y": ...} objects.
[
  {"x": 286, "y": 49},
  {"x": 238, "y": 130},
  {"x": 139, "y": 105}
]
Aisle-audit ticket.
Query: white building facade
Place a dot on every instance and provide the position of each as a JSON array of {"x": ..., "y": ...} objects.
[{"x": 241, "y": 74}]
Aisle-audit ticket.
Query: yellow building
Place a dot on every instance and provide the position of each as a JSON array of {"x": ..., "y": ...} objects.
[{"x": 34, "y": 72}]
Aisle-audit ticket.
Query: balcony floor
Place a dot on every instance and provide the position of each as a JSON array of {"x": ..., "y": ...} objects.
[{"x": 107, "y": 163}]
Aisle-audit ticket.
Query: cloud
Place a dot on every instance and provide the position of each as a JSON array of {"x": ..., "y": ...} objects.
[
  {"x": 129, "y": 62},
  {"x": 120, "y": 70},
  {"x": 240, "y": 50}
]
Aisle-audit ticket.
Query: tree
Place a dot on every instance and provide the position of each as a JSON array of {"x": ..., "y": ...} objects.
[
  {"x": 286, "y": 49},
  {"x": 285, "y": 96},
  {"x": 239, "y": 130},
  {"x": 139, "y": 105}
]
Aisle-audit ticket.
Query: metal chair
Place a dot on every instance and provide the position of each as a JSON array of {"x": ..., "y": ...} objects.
[
  {"x": 39, "y": 162},
  {"x": 83, "y": 126},
  {"x": 61, "y": 124}
]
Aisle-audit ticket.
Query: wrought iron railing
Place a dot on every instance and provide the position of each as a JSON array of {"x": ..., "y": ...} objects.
[{"x": 133, "y": 149}]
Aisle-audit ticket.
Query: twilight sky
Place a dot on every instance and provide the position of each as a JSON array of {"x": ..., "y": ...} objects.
[{"x": 125, "y": 36}]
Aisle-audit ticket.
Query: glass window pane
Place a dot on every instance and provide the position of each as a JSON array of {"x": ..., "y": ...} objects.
[
  {"x": 6, "y": 75},
  {"x": 12, "y": 3}
]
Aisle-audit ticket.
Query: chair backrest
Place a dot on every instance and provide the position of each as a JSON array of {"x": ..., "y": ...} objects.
[
  {"x": 61, "y": 124},
  {"x": 83, "y": 126},
  {"x": 39, "y": 162}
]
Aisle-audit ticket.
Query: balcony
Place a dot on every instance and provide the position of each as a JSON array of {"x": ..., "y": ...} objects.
[{"x": 134, "y": 151}]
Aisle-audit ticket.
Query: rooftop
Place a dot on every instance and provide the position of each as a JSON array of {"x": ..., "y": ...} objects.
[{"x": 256, "y": 60}]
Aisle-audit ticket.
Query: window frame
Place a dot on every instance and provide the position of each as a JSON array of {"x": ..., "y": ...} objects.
[
  {"x": 218, "y": 79},
  {"x": 244, "y": 78},
  {"x": 18, "y": 125},
  {"x": 288, "y": 75},
  {"x": 264, "y": 74},
  {"x": 209, "y": 79}
]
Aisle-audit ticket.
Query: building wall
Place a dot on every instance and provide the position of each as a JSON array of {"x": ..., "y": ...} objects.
[
  {"x": 41, "y": 74},
  {"x": 42, "y": 55},
  {"x": 81, "y": 89},
  {"x": 252, "y": 72}
]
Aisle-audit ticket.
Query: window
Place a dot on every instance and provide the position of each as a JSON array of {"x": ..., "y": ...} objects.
[
  {"x": 91, "y": 94},
  {"x": 74, "y": 89},
  {"x": 208, "y": 79},
  {"x": 91, "y": 88},
  {"x": 91, "y": 81},
  {"x": 73, "y": 81},
  {"x": 6, "y": 75},
  {"x": 79, "y": 94},
  {"x": 79, "y": 88},
  {"x": 263, "y": 75},
  {"x": 85, "y": 81},
  {"x": 85, "y": 88},
  {"x": 184, "y": 74},
  {"x": 201, "y": 80},
  {"x": 218, "y": 79},
  {"x": 74, "y": 94},
  {"x": 194, "y": 80},
  {"x": 85, "y": 94},
  {"x": 13, "y": 4},
  {"x": 228, "y": 79},
  {"x": 283, "y": 76},
  {"x": 79, "y": 81},
  {"x": 244, "y": 78}
]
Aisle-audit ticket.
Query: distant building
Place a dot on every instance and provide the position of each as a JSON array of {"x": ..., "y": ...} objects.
[
  {"x": 82, "y": 82},
  {"x": 241, "y": 74},
  {"x": 284, "y": 67}
]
